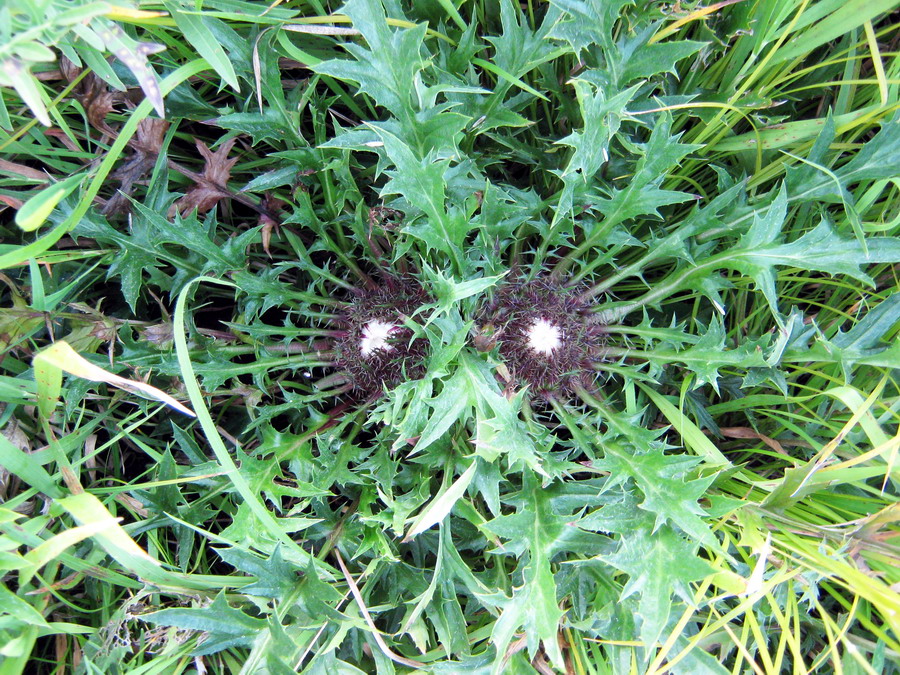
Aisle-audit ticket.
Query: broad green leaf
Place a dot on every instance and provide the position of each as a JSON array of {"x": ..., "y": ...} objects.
[
  {"x": 457, "y": 394},
  {"x": 268, "y": 125},
  {"x": 421, "y": 182},
  {"x": 17, "y": 75},
  {"x": 518, "y": 49},
  {"x": 675, "y": 245},
  {"x": 146, "y": 248},
  {"x": 449, "y": 292},
  {"x": 642, "y": 196},
  {"x": 867, "y": 343},
  {"x": 789, "y": 134},
  {"x": 19, "y": 609},
  {"x": 879, "y": 158},
  {"x": 499, "y": 432},
  {"x": 48, "y": 378}
]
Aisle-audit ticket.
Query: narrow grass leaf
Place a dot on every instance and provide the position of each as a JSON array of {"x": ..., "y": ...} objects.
[
  {"x": 251, "y": 499},
  {"x": 693, "y": 437},
  {"x": 89, "y": 511},
  {"x": 60, "y": 357},
  {"x": 39, "y": 556},
  {"x": 844, "y": 17},
  {"x": 17, "y": 462},
  {"x": 198, "y": 34},
  {"x": 38, "y": 208}
]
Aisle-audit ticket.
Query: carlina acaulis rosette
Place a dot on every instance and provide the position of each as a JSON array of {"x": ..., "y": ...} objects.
[
  {"x": 547, "y": 335},
  {"x": 374, "y": 347}
]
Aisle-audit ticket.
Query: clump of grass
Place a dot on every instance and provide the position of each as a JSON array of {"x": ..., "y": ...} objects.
[{"x": 545, "y": 338}]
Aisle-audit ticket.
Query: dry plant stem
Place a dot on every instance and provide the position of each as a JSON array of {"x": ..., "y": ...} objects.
[{"x": 376, "y": 634}]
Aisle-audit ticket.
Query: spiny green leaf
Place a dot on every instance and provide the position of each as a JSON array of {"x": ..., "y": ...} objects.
[
  {"x": 518, "y": 49},
  {"x": 864, "y": 344},
  {"x": 389, "y": 69},
  {"x": 642, "y": 196},
  {"x": 706, "y": 356},
  {"x": 589, "y": 22},
  {"x": 658, "y": 157},
  {"x": 663, "y": 479},
  {"x": 533, "y": 606},
  {"x": 822, "y": 250},
  {"x": 658, "y": 561},
  {"x": 268, "y": 125},
  {"x": 275, "y": 577},
  {"x": 879, "y": 158},
  {"x": 226, "y": 626},
  {"x": 642, "y": 60},
  {"x": 601, "y": 116},
  {"x": 422, "y": 184}
]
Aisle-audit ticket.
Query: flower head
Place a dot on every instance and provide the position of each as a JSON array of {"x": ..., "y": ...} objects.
[
  {"x": 375, "y": 336},
  {"x": 544, "y": 337},
  {"x": 549, "y": 336}
]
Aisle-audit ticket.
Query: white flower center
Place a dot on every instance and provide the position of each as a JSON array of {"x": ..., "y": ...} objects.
[
  {"x": 375, "y": 336},
  {"x": 544, "y": 337}
]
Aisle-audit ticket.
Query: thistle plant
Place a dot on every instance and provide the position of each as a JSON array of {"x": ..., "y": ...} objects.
[
  {"x": 371, "y": 346},
  {"x": 522, "y": 337},
  {"x": 549, "y": 338}
]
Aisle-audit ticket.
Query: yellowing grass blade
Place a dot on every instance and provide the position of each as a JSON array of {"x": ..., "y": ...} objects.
[
  {"x": 117, "y": 13},
  {"x": 90, "y": 512},
  {"x": 36, "y": 210},
  {"x": 50, "y": 549},
  {"x": 700, "y": 13},
  {"x": 58, "y": 357}
]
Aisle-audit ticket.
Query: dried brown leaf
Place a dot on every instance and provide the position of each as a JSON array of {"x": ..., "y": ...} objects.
[
  {"x": 146, "y": 145},
  {"x": 746, "y": 432},
  {"x": 98, "y": 103},
  {"x": 95, "y": 96},
  {"x": 210, "y": 186},
  {"x": 22, "y": 170}
]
